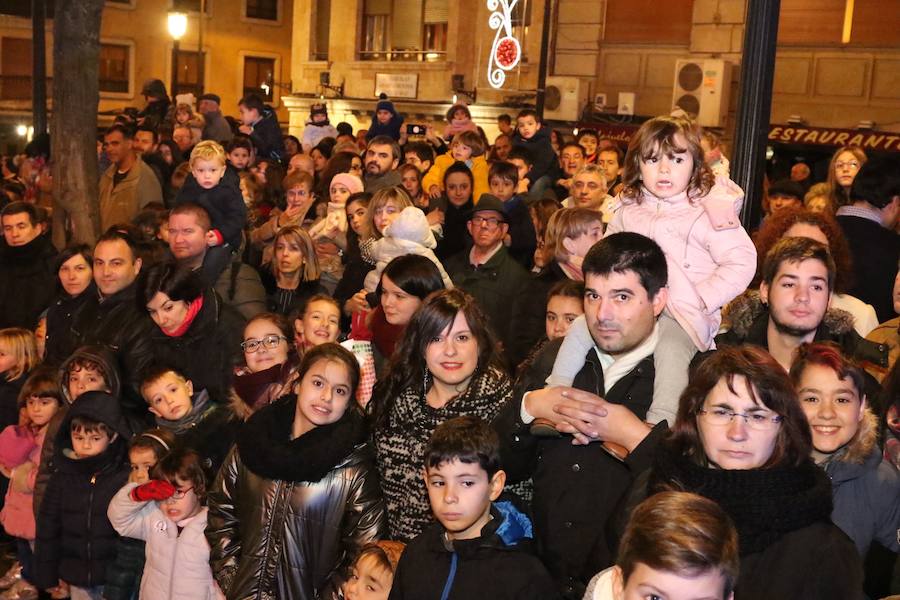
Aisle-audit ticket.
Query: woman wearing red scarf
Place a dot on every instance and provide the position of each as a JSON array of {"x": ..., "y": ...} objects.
[{"x": 198, "y": 334}]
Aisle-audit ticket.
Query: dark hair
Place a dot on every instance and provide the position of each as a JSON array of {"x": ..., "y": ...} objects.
[
  {"x": 150, "y": 129},
  {"x": 386, "y": 140},
  {"x": 253, "y": 102},
  {"x": 408, "y": 368},
  {"x": 776, "y": 225},
  {"x": 43, "y": 382},
  {"x": 458, "y": 167},
  {"x": 324, "y": 148},
  {"x": 467, "y": 439},
  {"x": 83, "y": 424},
  {"x": 504, "y": 170},
  {"x": 414, "y": 275},
  {"x": 456, "y": 107},
  {"x": 422, "y": 150},
  {"x": 680, "y": 533},
  {"x": 620, "y": 156},
  {"x": 528, "y": 112},
  {"x": 294, "y": 139},
  {"x": 657, "y": 137},
  {"x": 331, "y": 351},
  {"x": 877, "y": 182},
  {"x": 504, "y": 118},
  {"x": 127, "y": 132},
  {"x": 766, "y": 382},
  {"x": 118, "y": 234},
  {"x": 828, "y": 354},
  {"x": 627, "y": 251},
  {"x": 568, "y": 288},
  {"x": 588, "y": 133},
  {"x": 179, "y": 283},
  {"x": 200, "y": 214},
  {"x": 159, "y": 441},
  {"x": 339, "y": 162},
  {"x": 15, "y": 208},
  {"x": 572, "y": 145},
  {"x": 239, "y": 141},
  {"x": 69, "y": 252},
  {"x": 280, "y": 321},
  {"x": 796, "y": 249},
  {"x": 522, "y": 154},
  {"x": 184, "y": 464}
]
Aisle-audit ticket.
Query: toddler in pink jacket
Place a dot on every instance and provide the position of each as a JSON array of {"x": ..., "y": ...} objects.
[
  {"x": 671, "y": 196},
  {"x": 20, "y": 455}
]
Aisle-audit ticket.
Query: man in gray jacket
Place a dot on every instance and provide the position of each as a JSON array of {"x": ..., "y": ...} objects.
[{"x": 216, "y": 127}]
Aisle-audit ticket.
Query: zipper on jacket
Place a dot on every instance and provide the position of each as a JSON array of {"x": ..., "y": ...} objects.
[
  {"x": 269, "y": 525},
  {"x": 90, "y": 513}
]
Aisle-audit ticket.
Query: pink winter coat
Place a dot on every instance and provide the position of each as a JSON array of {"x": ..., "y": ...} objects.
[
  {"x": 711, "y": 258},
  {"x": 19, "y": 445}
]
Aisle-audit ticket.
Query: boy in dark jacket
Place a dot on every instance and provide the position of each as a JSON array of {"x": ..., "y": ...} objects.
[
  {"x": 531, "y": 135},
  {"x": 385, "y": 121},
  {"x": 503, "y": 179},
  {"x": 217, "y": 189},
  {"x": 75, "y": 539},
  {"x": 197, "y": 421},
  {"x": 479, "y": 549},
  {"x": 260, "y": 123}
]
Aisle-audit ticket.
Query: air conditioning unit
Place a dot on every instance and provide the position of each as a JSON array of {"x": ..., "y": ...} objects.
[
  {"x": 564, "y": 98},
  {"x": 702, "y": 87}
]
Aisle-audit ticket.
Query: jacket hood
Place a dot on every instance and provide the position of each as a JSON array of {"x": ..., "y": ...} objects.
[
  {"x": 411, "y": 225},
  {"x": 860, "y": 449},
  {"x": 740, "y": 314},
  {"x": 97, "y": 406},
  {"x": 96, "y": 354}
]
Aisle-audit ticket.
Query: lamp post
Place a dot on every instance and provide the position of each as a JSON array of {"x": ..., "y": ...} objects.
[{"x": 177, "y": 28}]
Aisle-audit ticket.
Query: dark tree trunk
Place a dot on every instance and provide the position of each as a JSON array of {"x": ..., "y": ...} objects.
[{"x": 73, "y": 128}]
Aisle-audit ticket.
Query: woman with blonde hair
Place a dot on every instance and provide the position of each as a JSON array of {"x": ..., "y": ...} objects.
[
  {"x": 295, "y": 271},
  {"x": 845, "y": 164}
]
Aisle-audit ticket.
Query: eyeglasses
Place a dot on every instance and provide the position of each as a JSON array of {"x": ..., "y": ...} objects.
[
  {"x": 179, "y": 494},
  {"x": 852, "y": 164},
  {"x": 724, "y": 416},
  {"x": 270, "y": 341},
  {"x": 489, "y": 222}
]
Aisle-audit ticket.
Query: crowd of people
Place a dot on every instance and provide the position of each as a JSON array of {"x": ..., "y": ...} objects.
[{"x": 365, "y": 366}]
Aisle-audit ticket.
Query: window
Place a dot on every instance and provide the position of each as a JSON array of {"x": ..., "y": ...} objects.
[
  {"x": 259, "y": 71},
  {"x": 190, "y": 5},
  {"x": 411, "y": 30},
  {"x": 322, "y": 27},
  {"x": 15, "y": 68},
  {"x": 648, "y": 22},
  {"x": 262, "y": 9},
  {"x": 114, "y": 68},
  {"x": 821, "y": 23},
  {"x": 189, "y": 65}
]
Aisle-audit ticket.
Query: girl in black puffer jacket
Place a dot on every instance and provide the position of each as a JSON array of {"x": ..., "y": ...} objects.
[{"x": 298, "y": 496}]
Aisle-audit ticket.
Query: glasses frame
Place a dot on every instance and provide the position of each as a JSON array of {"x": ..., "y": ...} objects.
[
  {"x": 490, "y": 223},
  {"x": 179, "y": 494},
  {"x": 767, "y": 425},
  {"x": 252, "y": 345}
]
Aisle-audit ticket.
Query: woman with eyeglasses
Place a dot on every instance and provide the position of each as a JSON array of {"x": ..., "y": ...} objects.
[
  {"x": 741, "y": 439},
  {"x": 270, "y": 363},
  {"x": 842, "y": 170},
  {"x": 197, "y": 333}
]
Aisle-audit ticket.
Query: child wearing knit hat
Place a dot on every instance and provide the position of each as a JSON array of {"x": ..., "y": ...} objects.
[
  {"x": 385, "y": 121},
  {"x": 317, "y": 127},
  {"x": 330, "y": 234}
]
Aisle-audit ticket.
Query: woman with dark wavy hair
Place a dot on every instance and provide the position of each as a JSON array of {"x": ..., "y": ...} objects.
[
  {"x": 445, "y": 366},
  {"x": 742, "y": 440},
  {"x": 822, "y": 227}
]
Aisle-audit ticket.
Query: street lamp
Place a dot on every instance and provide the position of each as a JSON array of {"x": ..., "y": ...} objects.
[{"x": 177, "y": 28}]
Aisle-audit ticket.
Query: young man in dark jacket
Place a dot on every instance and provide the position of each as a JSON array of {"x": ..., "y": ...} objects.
[
  {"x": 75, "y": 539},
  {"x": 478, "y": 548}
]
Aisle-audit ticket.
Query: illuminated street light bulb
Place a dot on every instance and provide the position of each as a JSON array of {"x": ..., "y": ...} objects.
[
  {"x": 21, "y": 130},
  {"x": 177, "y": 25}
]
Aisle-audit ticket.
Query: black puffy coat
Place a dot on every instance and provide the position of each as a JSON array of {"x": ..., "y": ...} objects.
[
  {"x": 497, "y": 565},
  {"x": 210, "y": 349},
  {"x": 75, "y": 539},
  {"x": 60, "y": 341},
  {"x": 576, "y": 488},
  {"x": 223, "y": 202},
  {"x": 267, "y": 137},
  {"x": 530, "y": 311},
  {"x": 279, "y": 527},
  {"x": 28, "y": 281},
  {"x": 118, "y": 323}
]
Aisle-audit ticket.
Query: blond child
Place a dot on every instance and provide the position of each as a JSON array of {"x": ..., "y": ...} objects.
[
  {"x": 217, "y": 189},
  {"x": 467, "y": 147}
]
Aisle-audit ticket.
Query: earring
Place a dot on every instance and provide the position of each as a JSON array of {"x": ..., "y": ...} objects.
[{"x": 425, "y": 382}]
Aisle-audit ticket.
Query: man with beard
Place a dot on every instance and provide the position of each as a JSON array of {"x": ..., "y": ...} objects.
[
  {"x": 382, "y": 159},
  {"x": 129, "y": 184},
  {"x": 791, "y": 307},
  {"x": 553, "y": 434}
]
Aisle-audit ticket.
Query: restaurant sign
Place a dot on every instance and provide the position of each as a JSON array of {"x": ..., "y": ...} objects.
[{"x": 882, "y": 141}]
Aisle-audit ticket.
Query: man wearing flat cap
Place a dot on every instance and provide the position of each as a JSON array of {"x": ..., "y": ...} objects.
[
  {"x": 216, "y": 128},
  {"x": 486, "y": 270}
]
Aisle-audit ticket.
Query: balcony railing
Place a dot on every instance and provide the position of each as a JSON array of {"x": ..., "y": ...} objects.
[{"x": 401, "y": 55}]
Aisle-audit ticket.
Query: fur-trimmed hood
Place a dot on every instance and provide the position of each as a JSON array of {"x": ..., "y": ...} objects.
[
  {"x": 740, "y": 314},
  {"x": 858, "y": 450}
]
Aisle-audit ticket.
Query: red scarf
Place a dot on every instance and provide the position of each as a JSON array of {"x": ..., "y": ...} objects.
[{"x": 193, "y": 308}]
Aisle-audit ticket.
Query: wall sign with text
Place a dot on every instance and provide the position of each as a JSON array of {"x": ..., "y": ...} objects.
[{"x": 397, "y": 85}]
